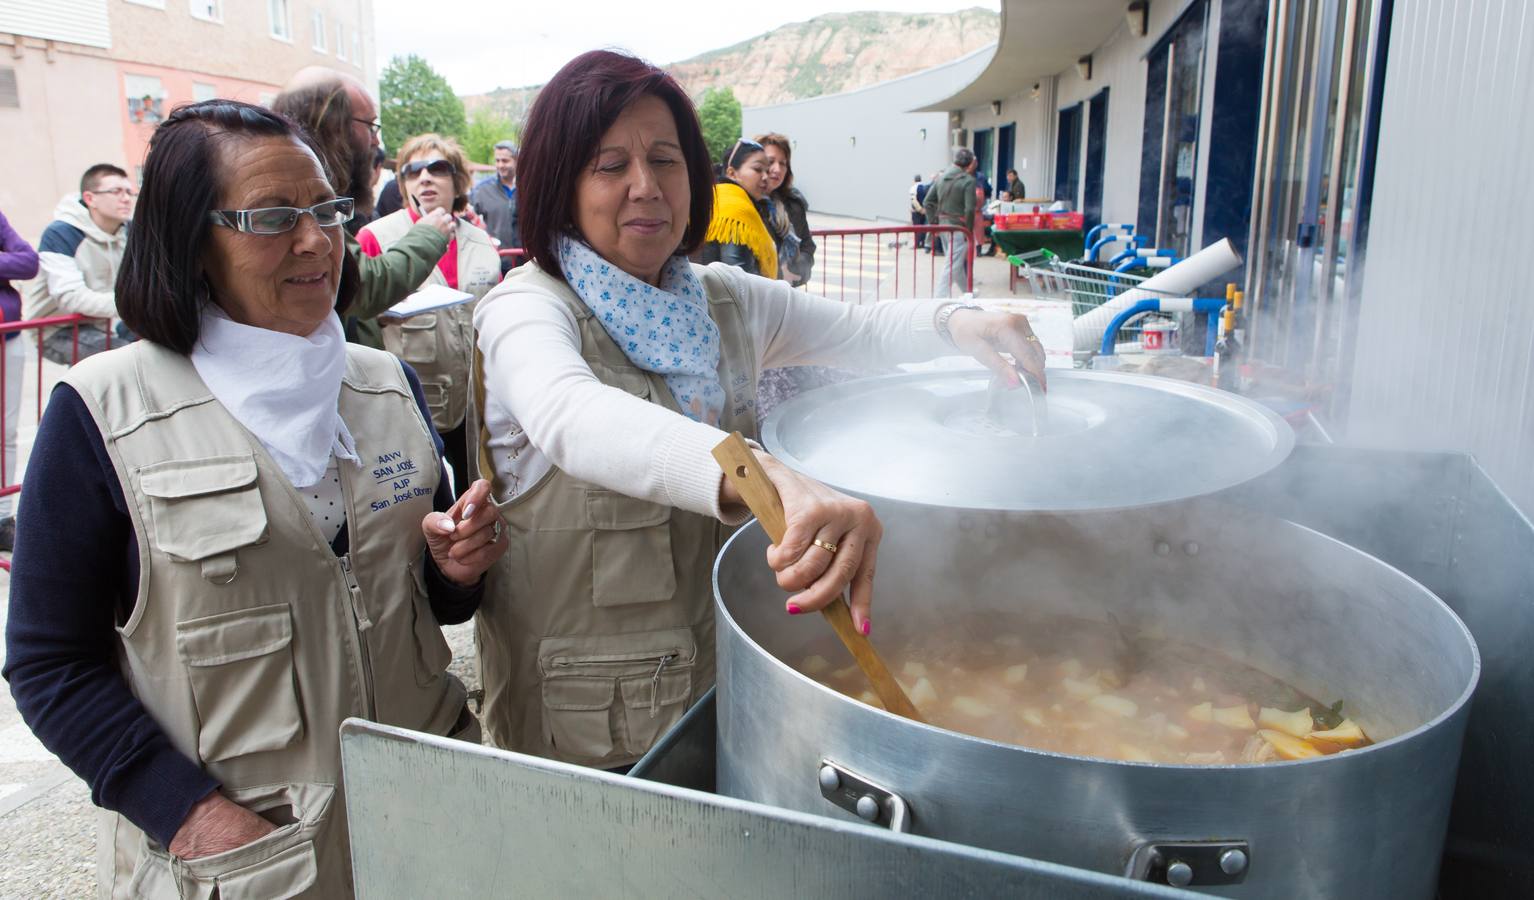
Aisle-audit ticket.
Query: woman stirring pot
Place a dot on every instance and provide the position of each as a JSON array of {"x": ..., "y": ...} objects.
[{"x": 611, "y": 369}]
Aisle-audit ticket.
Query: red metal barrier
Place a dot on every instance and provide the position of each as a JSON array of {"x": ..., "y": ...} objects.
[
  {"x": 73, "y": 322},
  {"x": 875, "y": 246}
]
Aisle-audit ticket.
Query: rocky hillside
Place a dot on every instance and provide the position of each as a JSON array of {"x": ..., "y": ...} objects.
[{"x": 825, "y": 55}]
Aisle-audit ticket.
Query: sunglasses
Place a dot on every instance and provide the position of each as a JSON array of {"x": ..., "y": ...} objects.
[
  {"x": 279, "y": 219},
  {"x": 438, "y": 167},
  {"x": 729, "y": 159}
]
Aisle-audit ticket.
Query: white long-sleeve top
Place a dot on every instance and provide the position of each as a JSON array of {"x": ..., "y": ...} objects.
[{"x": 545, "y": 407}]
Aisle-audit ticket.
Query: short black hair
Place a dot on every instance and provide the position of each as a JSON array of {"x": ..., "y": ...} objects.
[
  {"x": 92, "y": 177},
  {"x": 161, "y": 285},
  {"x": 563, "y": 129}
]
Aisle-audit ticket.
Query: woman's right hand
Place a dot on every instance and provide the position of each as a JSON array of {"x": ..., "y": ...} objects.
[
  {"x": 217, "y": 824},
  {"x": 819, "y": 516}
]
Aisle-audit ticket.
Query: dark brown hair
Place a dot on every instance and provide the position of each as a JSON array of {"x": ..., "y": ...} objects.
[
  {"x": 324, "y": 110},
  {"x": 564, "y": 130},
  {"x": 161, "y": 285},
  {"x": 92, "y": 177}
]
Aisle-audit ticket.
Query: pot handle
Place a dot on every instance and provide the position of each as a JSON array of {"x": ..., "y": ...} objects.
[
  {"x": 868, "y": 801},
  {"x": 1190, "y": 863}
]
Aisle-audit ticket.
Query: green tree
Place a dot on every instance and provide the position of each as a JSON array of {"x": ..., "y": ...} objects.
[
  {"x": 719, "y": 114},
  {"x": 415, "y": 99},
  {"x": 486, "y": 128}
]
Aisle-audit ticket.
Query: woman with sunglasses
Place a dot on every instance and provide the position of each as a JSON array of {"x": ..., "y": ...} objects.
[
  {"x": 737, "y": 233},
  {"x": 433, "y": 175},
  {"x": 236, "y": 533},
  {"x": 612, "y": 366}
]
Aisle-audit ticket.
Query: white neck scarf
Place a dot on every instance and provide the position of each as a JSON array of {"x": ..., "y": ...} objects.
[
  {"x": 283, "y": 388},
  {"x": 665, "y": 330}
]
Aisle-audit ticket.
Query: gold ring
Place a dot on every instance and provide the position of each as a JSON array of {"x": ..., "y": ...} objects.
[
  {"x": 825, "y": 545},
  {"x": 495, "y": 531},
  {"x": 1031, "y": 337}
]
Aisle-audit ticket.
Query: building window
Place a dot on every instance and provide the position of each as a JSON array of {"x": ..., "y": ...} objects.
[
  {"x": 340, "y": 41},
  {"x": 156, "y": 4},
  {"x": 10, "y": 96},
  {"x": 201, "y": 92},
  {"x": 146, "y": 98},
  {"x": 319, "y": 32},
  {"x": 208, "y": 10},
  {"x": 281, "y": 19},
  {"x": 357, "y": 47}
]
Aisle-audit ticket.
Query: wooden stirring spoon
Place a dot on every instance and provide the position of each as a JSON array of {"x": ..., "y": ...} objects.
[{"x": 745, "y": 472}]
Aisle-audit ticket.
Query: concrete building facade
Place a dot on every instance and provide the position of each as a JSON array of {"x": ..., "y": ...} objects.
[{"x": 86, "y": 82}]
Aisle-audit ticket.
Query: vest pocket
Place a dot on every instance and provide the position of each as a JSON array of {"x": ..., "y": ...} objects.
[
  {"x": 584, "y": 677},
  {"x": 278, "y": 865},
  {"x": 433, "y": 655},
  {"x": 204, "y": 507},
  {"x": 630, "y": 550},
  {"x": 232, "y": 657},
  {"x": 416, "y": 341}
]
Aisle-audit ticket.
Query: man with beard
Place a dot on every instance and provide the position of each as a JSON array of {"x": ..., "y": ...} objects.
[{"x": 338, "y": 113}]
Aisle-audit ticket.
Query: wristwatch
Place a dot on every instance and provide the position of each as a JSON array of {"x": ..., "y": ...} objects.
[{"x": 944, "y": 313}]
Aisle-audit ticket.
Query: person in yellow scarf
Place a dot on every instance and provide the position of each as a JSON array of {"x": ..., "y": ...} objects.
[{"x": 738, "y": 234}]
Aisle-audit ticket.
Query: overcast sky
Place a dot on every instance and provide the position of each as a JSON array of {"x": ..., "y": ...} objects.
[{"x": 480, "y": 45}]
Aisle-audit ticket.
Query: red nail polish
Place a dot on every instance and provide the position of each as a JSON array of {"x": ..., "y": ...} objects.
[
  {"x": 867, "y": 627},
  {"x": 794, "y": 610}
]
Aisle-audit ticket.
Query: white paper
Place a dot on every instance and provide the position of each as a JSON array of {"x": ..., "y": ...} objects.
[{"x": 433, "y": 296}]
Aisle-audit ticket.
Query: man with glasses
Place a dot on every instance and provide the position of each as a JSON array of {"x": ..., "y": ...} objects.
[
  {"x": 342, "y": 118},
  {"x": 79, "y": 254}
]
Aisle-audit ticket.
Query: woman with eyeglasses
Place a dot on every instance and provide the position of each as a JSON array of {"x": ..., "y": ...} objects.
[
  {"x": 236, "y": 533},
  {"x": 738, "y": 233},
  {"x": 611, "y": 368},
  {"x": 433, "y": 175}
]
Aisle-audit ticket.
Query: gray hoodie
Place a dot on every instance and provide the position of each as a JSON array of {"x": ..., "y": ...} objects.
[{"x": 78, "y": 266}]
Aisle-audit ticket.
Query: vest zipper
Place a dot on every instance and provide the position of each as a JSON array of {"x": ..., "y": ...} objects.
[
  {"x": 363, "y": 623},
  {"x": 655, "y": 681}
]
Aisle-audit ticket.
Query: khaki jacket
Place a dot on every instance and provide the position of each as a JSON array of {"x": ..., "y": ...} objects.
[
  {"x": 439, "y": 345},
  {"x": 250, "y": 641},
  {"x": 597, "y": 627}
]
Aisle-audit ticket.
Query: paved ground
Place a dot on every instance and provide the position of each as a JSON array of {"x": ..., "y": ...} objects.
[{"x": 47, "y": 822}]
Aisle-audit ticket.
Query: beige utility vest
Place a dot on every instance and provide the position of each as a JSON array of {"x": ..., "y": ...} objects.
[
  {"x": 439, "y": 344},
  {"x": 597, "y": 627},
  {"x": 250, "y": 641}
]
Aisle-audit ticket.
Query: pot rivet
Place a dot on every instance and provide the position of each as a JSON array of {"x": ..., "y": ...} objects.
[
  {"x": 829, "y": 780},
  {"x": 1179, "y": 874},
  {"x": 1163, "y": 548},
  {"x": 1190, "y": 548},
  {"x": 1233, "y": 862},
  {"x": 868, "y": 807}
]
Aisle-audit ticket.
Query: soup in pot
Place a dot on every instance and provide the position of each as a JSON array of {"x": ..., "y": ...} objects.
[{"x": 1095, "y": 689}]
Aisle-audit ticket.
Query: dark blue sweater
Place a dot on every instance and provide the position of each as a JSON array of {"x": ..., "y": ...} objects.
[{"x": 74, "y": 576}]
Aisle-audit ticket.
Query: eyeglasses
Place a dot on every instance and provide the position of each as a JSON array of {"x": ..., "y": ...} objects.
[
  {"x": 438, "y": 167},
  {"x": 374, "y": 126},
  {"x": 279, "y": 219},
  {"x": 117, "y": 192}
]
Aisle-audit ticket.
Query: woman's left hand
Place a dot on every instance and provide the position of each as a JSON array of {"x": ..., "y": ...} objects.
[
  {"x": 466, "y": 540},
  {"x": 987, "y": 335}
]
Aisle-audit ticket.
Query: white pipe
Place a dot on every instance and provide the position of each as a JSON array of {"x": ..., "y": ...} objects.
[{"x": 1182, "y": 279}]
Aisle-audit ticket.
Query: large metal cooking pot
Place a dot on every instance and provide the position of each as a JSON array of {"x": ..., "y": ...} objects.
[{"x": 1316, "y": 613}]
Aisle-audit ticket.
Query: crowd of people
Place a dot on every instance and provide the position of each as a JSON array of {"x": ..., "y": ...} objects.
[{"x": 248, "y": 523}]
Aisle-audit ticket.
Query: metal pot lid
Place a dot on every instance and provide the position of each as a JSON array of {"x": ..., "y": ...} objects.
[{"x": 1107, "y": 441}]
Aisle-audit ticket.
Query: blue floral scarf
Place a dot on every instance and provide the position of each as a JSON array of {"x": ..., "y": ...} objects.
[{"x": 665, "y": 330}]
